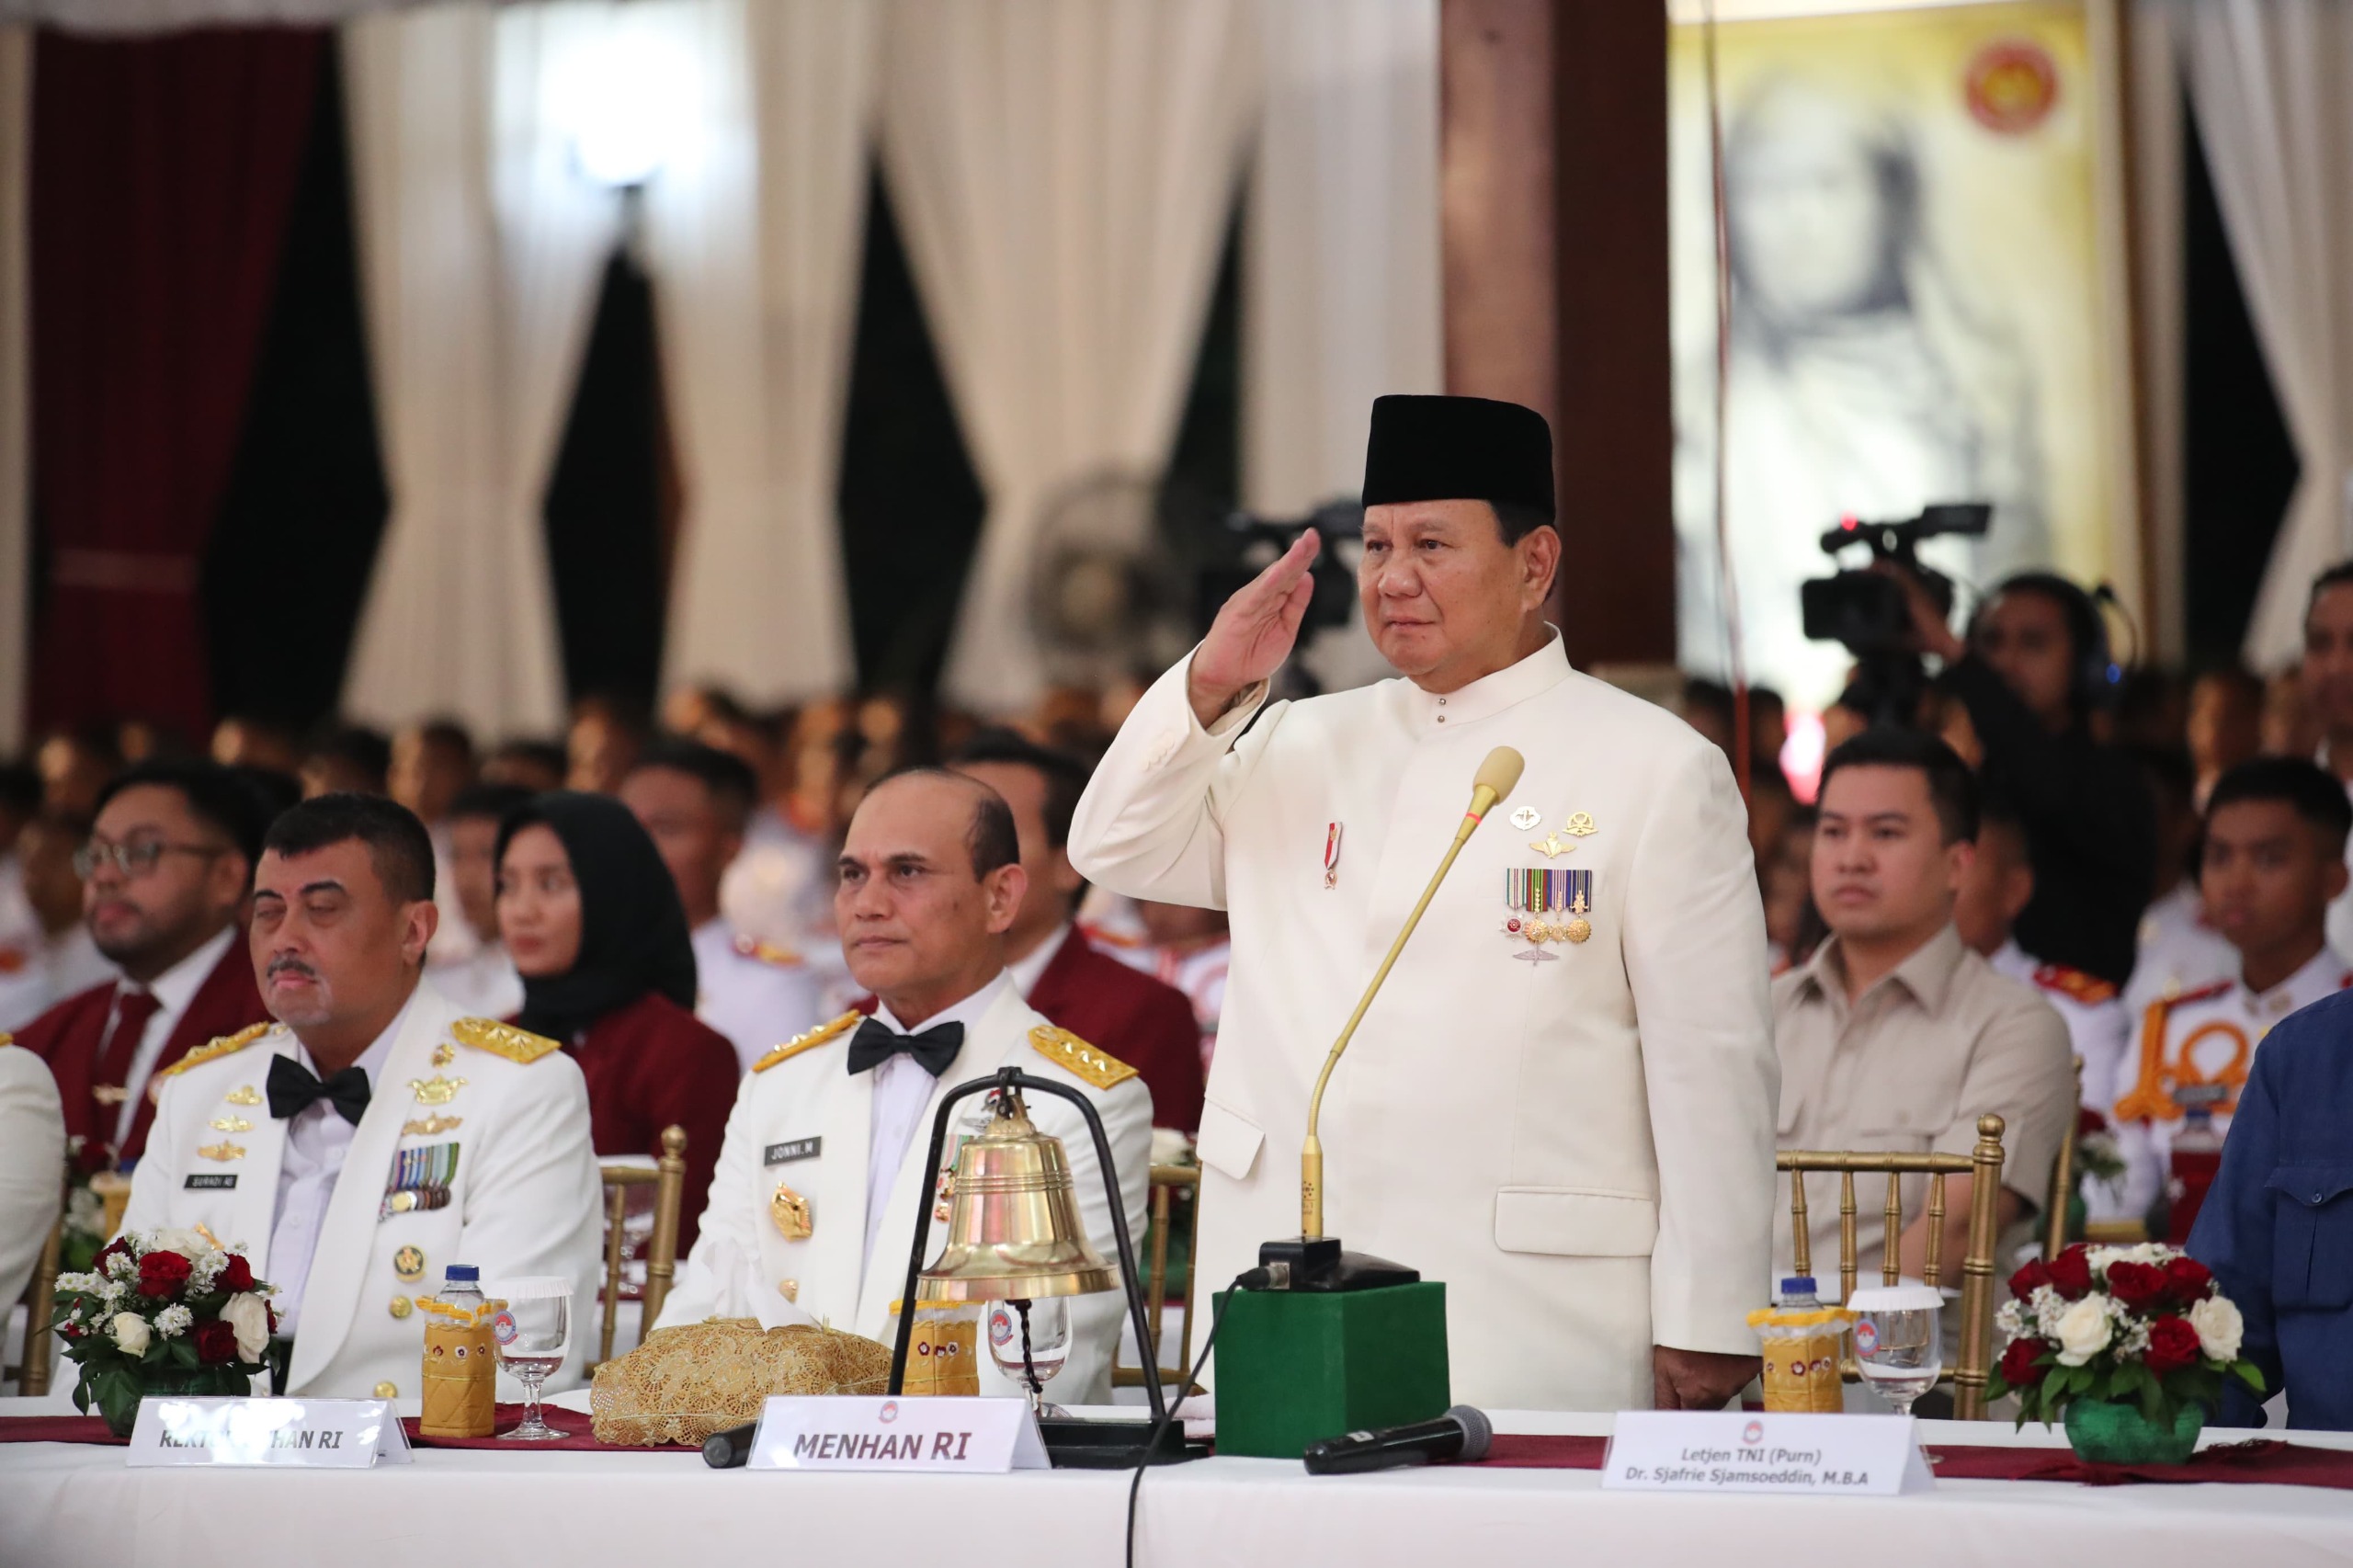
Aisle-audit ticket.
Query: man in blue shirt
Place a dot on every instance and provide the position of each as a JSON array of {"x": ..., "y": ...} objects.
[{"x": 2276, "y": 1227}]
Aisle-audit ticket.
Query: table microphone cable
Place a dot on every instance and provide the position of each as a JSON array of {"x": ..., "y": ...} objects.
[{"x": 1248, "y": 1280}]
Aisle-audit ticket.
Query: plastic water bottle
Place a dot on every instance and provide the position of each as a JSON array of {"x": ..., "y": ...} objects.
[
  {"x": 460, "y": 1362},
  {"x": 1801, "y": 1349},
  {"x": 1798, "y": 1292},
  {"x": 2195, "y": 1161}
]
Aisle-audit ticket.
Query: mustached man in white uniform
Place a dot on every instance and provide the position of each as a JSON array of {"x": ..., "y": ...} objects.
[
  {"x": 1562, "y": 1104},
  {"x": 374, "y": 1134}
]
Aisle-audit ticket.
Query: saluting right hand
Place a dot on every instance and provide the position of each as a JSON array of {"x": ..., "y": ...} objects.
[{"x": 1254, "y": 631}]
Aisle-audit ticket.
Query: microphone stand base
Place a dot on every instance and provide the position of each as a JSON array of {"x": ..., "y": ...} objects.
[
  {"x": 1318, "y": 1264},
  {"x": 1073, "y": 1444},
  {"x": 1295, "y": 1367}
]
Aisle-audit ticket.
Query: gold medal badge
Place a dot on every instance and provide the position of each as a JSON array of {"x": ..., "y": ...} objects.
[{"x": 790, "y": 1213}]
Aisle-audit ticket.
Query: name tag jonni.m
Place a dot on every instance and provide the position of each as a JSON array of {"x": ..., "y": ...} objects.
[{"x": 798, "y": 1149}]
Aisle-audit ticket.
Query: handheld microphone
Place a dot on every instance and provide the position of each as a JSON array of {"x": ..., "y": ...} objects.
[
  {"x": 728, "y": 1449},
  {"x": 1461, "y": 1434},
  {"x": 1495, "y": 779}
]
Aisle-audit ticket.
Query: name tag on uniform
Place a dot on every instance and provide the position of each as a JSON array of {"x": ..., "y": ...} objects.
[
  {"x": 203, "y": 1181},
  {"x": 332, "y": 1434},
  {"x": 785, "y": 1154}
]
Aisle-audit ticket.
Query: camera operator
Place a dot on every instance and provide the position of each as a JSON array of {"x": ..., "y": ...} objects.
[{"x": 2031, "y": 673}]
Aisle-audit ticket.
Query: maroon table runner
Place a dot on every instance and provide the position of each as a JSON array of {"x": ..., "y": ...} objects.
[
  {"x": 2265, "y": 1461},
  {"x": 572, "y": 1423}
]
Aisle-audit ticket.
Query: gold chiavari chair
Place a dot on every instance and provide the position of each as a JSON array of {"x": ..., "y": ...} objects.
[
  {"x": 2063, "y": 1175},
  {"x": 32, "y": 1369},
  {"x": 668, "y": 1179},
  {"x": 1983, "y": 1165},
  {"x": 1166, "y": 1182}
]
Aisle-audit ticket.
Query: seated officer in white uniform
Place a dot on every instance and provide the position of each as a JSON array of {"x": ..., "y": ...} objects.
[
  {"x": 464, "y": 1141},
  {"x": 820, "y": 1182},
  {"x": 693, "y": 802}
]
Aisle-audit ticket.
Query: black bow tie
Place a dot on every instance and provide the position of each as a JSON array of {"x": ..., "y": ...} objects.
[
  {"x": 876, "y": 1042},
  {"x": 293, "y": 1086}
]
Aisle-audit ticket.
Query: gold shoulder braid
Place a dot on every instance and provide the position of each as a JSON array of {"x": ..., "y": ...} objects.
[
  {"x": 1066, "y": 1051},
  {"x": 226, "y": 1045},
  {"x": 809, "y": 1041},
  {"x": 503, "y": 1039}
]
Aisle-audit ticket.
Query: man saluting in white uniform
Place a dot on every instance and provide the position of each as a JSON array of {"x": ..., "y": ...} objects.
[{"x": 1562, "y": 1104}]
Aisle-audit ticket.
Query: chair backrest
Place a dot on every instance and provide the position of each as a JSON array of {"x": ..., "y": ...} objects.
[
  {"x": 1167, "y": 1181},
  {"x": 2063, "y": 1175},
  {"x": 668, "y": 1180},
  {"x": 41, "y": 1299},
  {"x": 1983, "y": 1165}
]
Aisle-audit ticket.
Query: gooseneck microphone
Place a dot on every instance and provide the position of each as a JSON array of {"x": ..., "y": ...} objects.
[
  {"x": 1495, "y": 779},
  {"x": 1461, "y": 1434}
]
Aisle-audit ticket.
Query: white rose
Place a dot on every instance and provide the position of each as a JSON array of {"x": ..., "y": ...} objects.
[
  {"x": 2085, "y": 1329},
  {"x": 2219, "y": 1327},
  {"x": 246, "y": 1315},
  {"x": 129, "y": 1332}
]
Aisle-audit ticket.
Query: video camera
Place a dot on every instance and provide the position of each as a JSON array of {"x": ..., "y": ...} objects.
[
  {"x": 1247, "y": 544},
  {"x": 1866, "y": 611}
]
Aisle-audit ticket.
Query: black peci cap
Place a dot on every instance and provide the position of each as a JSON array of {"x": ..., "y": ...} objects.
[{"x": 1458, "y": 449}]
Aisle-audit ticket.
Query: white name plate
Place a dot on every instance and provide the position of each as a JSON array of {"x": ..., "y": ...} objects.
[
  {"x": 303, "y": 1434},
  {"x": 1735, "y": 1450},
  {"x": 846, "y": 1432}
]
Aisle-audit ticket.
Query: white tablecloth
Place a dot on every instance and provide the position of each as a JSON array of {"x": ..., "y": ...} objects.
[{"x": 65, "y": 1505}]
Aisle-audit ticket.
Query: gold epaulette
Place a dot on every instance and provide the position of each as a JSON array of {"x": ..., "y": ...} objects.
[
  {"x": 2088, "y": 989},
  {"x": 6, "y": 1038},
  {"x": 503, "y": 1039},
  {"x": 808, "y": 1042},
  {"x": 213, "y": 1051},
  {"x": 767, "y": 952},
  {"x": 1092, "y": 1062}
]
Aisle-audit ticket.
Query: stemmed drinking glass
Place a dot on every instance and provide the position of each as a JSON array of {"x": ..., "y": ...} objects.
[
  {"x": 532, "y": 1329},
  {"x": 1030, "y": 1340},
  {"x": 1898, "y": 1344}
]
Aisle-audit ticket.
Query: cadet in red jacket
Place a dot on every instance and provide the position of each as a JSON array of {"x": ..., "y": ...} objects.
[
  {"x": 1138, "y": 1019},
  {"x": 164, "y": 882},
  {"x": 593, "y": 921}
]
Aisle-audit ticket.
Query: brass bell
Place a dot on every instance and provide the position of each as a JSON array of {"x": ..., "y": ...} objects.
[{"x": 1014, "y": 1233}]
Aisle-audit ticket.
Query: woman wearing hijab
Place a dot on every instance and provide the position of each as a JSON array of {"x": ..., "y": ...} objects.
[{"x": 592, "y": 920}]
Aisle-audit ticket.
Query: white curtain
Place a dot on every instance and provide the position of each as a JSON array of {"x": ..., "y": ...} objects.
[
  {"x": 480, "y": 245},
  {"x": 1064, "y": 172},
  {"x": 1343, "y": 300},
  {"x": 755, "y": 228},
  {"x": 2271, "y": 82},
  {"x": 15, "y": 334}
]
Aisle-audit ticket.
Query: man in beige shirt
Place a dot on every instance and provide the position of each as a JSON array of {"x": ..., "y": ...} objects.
[{"x": 1895, "y": 1036}]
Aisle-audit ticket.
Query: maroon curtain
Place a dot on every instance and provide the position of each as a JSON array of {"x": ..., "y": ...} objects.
[{"x": 163, "y": 171}]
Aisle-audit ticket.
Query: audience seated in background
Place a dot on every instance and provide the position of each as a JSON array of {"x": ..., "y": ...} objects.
[
  {"x": 2026, "y": 675},
  {"x": 783, "y": 884},
  {"x": 2274, "y": 856},
  {"x": 58, "y": 956},
  {"x": 2226, "y": 725},
  {"x": 1187, "y": 947},
  {"x": 164, "y": 878},
  {"x": 2290, "y": 728},
  {"x": 1137, "y": 1018},
  {"x": 432, "y": 761},
  {"x": 74, "y": 767},
  {"x": 533, "y": 766},
  {"x": 605, "y": 738},
  {"x": 594, "y": 924},
  {"x": 246, "y": 740},
  {"x": 2178, "y": 949},
  {"x": 346, "y": 759},
  {"x": 484, "y": 981},
  {"x": 1997, "y": 884},
  {"x": 1895, "y": 1036},
  {"x": 1792, "y": 925},
  {"x": 695, "y": 802}
]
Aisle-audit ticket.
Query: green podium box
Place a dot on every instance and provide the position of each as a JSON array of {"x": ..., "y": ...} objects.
[{"x": 1295, "y": 1367}]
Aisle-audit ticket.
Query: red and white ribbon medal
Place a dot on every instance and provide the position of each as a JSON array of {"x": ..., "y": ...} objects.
[{"x": 1332, "y": 856}]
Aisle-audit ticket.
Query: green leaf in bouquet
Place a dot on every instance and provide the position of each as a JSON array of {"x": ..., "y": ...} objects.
[
  {"x": 2248, "y": 1373},
  {"x": 183, "y": 1352}
]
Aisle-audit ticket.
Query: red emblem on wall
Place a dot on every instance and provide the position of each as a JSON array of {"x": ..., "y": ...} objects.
[{"x": 2012, "y": 86}]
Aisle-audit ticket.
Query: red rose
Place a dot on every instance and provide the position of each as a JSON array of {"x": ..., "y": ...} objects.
[
  {"x": 2019, "y": 1369},
  {"x": 2173, "y": 1345},
  {"x": 216, "y": 1342},
  {"x": 114, "y": 1247},
  {"x": 237, "y": 1276},
  {"x": 2190, "y": 1281},
  {"x": 2030, "y": 1278},
  {"x": 2138, "y": 1286},
  {"x": 162, "y": 1274},
  {"x": 2071, "y": 1273}
]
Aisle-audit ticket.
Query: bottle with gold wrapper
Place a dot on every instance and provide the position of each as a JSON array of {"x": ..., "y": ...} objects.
[
  {"x": 461, "y": 1361},
  {"x": 943, "y": 1356},
  {"x": 1802, "y": 1345}
]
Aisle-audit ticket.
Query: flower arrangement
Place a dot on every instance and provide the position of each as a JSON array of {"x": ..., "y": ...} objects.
[
  {"x": 168, "y": 1311},
  {"x": 2138, "y": 1326}
]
